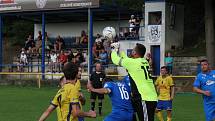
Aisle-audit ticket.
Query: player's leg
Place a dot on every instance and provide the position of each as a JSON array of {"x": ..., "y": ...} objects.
[
  {"x": 137, "y": 105},
  {"x": 159, "y": 109},
  {"x": 100, "y": 98},
  {"x": 150, "y": 107},
  {"x": 168, "y": 107},
  {"x": 92, "y": 100}
]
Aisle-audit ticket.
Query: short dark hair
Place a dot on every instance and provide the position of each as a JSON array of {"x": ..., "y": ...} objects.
[
  {"x": 164, "y": 67},
  {"x": 204, "y": 60},
  {"x": 140, "y": 49},
  {"x": 70, "y": 71}
]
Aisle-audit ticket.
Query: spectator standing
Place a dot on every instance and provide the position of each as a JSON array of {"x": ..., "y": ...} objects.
[
  {"x": 137, "y": 25},
  {"x": 84, "y": 38},
  {"x": 29, "y": 43},
  {"x": 169, "y": 62},
  {"x": 53, "y": 62},
  {"x": 205, "y": 84},
  {"x": 149, "y": 59},
  {"x": 96, "y": 79},
  {"x": 132, "y": 22},
  {"x": 23, "y": 60},
  {"x": 62, "y": 59},
  {"x": 59, "y": 44}
]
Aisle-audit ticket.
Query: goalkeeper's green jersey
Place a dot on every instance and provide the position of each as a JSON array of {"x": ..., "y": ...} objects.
[{"x": 138, "y": 70}]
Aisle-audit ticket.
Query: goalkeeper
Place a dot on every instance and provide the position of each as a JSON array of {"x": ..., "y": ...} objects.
[{"x": 143, "y": 91}]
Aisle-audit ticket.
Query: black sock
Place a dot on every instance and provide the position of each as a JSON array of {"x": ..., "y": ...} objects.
[
  {"x": 100, "y": 108},
  {"x": 92, "y": 106}
]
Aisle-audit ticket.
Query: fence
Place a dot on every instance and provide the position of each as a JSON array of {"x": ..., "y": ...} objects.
[{"x": 182, "y": 83}]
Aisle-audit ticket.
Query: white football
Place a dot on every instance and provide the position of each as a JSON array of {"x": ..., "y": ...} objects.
[{"x": 109, "y": 33}]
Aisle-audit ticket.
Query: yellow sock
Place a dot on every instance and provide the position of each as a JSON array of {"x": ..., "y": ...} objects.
[
  {"x": 160, "y": 116},
  {"x": 169, "y": 118}
]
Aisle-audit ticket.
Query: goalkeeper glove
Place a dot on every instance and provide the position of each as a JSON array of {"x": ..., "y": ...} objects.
[{"x": 115, "y": 46}]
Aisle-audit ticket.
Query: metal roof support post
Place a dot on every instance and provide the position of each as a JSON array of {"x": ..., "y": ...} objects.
[
  {"x": 90, "y": 42},
  {"x": 1, "y": 42},
  {"x": 43, "y": 46}
]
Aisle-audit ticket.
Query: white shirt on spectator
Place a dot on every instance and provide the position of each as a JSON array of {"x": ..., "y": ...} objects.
[
  {"x": 23, "y": 58},
  {"x": 53, "y": 58}
]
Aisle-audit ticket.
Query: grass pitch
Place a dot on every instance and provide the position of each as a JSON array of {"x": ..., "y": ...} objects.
[{"x": 28, "y": 103}]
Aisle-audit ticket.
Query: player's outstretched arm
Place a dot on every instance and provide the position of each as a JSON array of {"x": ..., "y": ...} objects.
[
  {"x": 100, "y": 90},
  {"x": 197, "y": 90},
  {"x": 76, "y": 112},
  {"x": 47, "y": 113}
]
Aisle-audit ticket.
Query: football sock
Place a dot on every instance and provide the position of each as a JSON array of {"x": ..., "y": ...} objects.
[
  {"x": 169, "y": 118},
  {"x": 100, "y": 108},
  {"x": 92, "y": 106},
  {"x": 160, "y": 116}
]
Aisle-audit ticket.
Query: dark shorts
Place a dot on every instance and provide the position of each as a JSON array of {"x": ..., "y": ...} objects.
[
  {"x": 164, "y": 105},
  {"x": 94, "y": 95}
]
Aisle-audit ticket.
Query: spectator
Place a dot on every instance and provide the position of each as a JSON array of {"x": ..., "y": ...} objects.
[
  {"x": 37, "y": 48},
  {"x": 48, "y": 44},
  {"x": 59, "y": 44},
  {"x": 29, "y": 43},
  {"x": 22, "y": 60},
  {"x": 84, "y": 38},
  {"x": 169, "y": 62},
  {"x": 132, "y": 25},
  {"x": 107, "y": 48},
  {"x": 39, "y": 37},
  {"x": 70, "y": 56},
  {"x": 137, "y": 25},
  {"x": 98, "y": 48},
  {"x": 79, "y": 57},
  {"x": 149, "y": 59},
  {"x": 98, "y": 38},
  {"x": 62, "y": 59},
  {"x": 53, "y": 63},
  {"x": 103, "y": 57}
]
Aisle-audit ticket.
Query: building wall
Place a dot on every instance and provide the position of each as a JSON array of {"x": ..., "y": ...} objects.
[
  {"x": 74, "y": 29},
  {"x": 153, "y": 7},
  {"x": 175, "y": 34}
]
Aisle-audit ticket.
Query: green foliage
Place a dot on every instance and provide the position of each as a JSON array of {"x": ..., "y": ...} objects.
[
  {"x": 28, "y": 103},
  {"x": 16, "y": 30}
]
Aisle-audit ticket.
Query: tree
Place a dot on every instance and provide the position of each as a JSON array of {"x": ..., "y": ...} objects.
[{"x": 209, "y": 32}]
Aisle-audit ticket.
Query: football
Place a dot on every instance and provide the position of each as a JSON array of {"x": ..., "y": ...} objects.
[{"x": 109, "y": 33}]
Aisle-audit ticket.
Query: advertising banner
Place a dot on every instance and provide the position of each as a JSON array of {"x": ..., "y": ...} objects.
[{"x": 7, "y": 6}]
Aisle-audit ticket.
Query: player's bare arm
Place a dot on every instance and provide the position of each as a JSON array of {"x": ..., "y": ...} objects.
[
  {"x": 48, "y": 111},
  {"x": 76, "y": 112},
  {"x": 100, "y": 91},
  {"x": 172, "y": 90},
  {"x": 197, "y": 90}
]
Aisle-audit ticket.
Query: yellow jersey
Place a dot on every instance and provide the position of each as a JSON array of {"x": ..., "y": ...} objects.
[
  {"x": 64, "y": 99},
  {"x": 164, "y": 86},
  {"x": 78, "y": 87}
]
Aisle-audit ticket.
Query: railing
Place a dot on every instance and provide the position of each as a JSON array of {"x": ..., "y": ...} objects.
[{"x": 132, "y": 33}]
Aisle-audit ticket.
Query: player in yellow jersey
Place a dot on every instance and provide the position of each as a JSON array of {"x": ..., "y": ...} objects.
[
  {"x": 165, "y": 89},
  {"x": 67, "y": 98}
]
